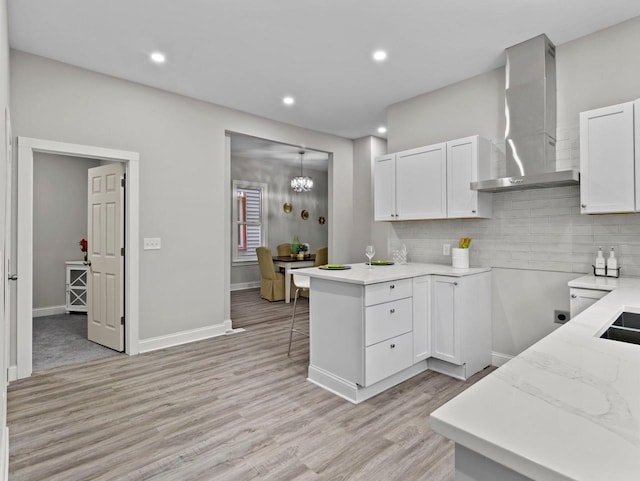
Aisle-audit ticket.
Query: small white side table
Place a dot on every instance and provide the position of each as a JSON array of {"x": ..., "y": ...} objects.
[{"x": 76, "y": 287}]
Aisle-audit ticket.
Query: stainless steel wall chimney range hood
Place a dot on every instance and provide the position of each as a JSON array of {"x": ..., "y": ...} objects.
[{"x": 530, "y": 110}]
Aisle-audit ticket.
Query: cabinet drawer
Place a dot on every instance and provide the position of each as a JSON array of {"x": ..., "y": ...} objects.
[
  {"x": 387, "y": 320},
  {"x": 387, "y": 291},
  {"x": 387, "y": 358}
]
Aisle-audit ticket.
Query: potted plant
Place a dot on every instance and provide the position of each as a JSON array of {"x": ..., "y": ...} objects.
[{"x": 302, "y": 251}]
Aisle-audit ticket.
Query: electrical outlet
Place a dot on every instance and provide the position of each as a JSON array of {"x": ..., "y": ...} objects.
[
  {"x": 151, "y": 243},
  {"x": 560, "y": 317},
  {"x": 446, "y": 249}
]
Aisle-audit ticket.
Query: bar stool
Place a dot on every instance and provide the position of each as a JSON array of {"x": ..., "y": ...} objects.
[{"x": 302, "y": 283}]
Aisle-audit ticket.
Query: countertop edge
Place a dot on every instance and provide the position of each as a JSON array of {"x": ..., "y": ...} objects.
[{"x": 360, "y": 275}]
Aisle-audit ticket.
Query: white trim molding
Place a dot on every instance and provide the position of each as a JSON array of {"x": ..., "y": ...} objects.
[
  {"x": 184, "y": 337},
  {"x": 24, "y": 308},
  {"x": 48, "y": 311},
  {"x": 12, "y": 373},
  {"x": 499, "y": 359}
]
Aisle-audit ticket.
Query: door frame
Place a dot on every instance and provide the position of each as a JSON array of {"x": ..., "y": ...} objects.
[{"x": 24, "y": 304}]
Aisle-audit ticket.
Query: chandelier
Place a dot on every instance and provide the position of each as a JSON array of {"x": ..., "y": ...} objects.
[{"x": 301, "y": 183}]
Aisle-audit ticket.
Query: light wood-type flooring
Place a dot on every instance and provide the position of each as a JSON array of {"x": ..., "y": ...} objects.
[{"x": 231, "y": 408}]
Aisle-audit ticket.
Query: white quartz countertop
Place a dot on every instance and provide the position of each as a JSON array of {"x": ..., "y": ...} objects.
[
  {"x": 567, "y": 408},
  {"x": 361, "y": 274}
]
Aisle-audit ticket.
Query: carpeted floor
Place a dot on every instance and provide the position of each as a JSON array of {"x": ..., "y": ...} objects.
[{"x": 62, "y": 340}]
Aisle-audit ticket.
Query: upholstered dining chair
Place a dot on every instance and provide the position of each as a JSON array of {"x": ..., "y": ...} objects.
[
  {"x": 272, "y": 282},
  {"x": 322, "y": 256},
  {"x": 302, "y": 283},
  {"x": 284, "y": 249}
]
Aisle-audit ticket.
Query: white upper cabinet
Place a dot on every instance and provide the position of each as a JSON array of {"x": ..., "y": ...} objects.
[
  {"x": 468, "y": 161},
  {"x": 607, "y": 164},
  {"x": 421, "y": 176},
  {"x": 432, "y": 182},
  {"x": 384, "y": 186}
]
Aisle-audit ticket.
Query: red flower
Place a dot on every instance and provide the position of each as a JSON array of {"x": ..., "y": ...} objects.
[{"x": 83, "y": 245}]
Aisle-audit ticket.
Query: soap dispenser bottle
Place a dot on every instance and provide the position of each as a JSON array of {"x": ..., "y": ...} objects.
[
  {"x": 612, "y": 264},
  {"x": 600, "y": 264}
]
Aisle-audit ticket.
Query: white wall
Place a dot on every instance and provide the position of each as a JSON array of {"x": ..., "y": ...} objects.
[
  {"x": 59, "y": 222},
  {"x": 532, "y": 231},
  {"x": 282, "y": 226},
  {"x": 4, "y": 342},
  {"x": 184, "y": 177}
]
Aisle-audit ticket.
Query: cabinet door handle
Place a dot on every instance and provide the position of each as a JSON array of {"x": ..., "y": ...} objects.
[
  {"x": 13, "y": 277},
  {"x": 392, "y": 286},
  {"x": 392, "y": 311},
  {"x": 473, "y": 211},
  {"x": 584, "y": 206},
  {"x": 573, "y": 296},
  {"x": 455, "y": 283},
  {"x": 393, "y": 346}
]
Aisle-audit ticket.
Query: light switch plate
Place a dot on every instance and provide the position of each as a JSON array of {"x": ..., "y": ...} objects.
[
  {"x": 151, "y": 243},
  {"x": 446, "y": 249}
]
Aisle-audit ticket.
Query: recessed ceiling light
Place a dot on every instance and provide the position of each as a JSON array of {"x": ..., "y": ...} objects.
[
  {"x": 288, "y": 100},
  {"x": 382, "y": 130},
  {"x": 379, "y": 55},
  {"x": 158, "y": 57}
]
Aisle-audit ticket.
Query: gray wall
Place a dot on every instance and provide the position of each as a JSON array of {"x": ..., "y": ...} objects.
[
  {"x": 184, "y": 177},
  {"x": 4, "y": 103},
  {"x": 59, "y": 222},
  {"x": 537, "y": 230},
  {"x": 365, "y": 150},
  {"x": 281, "y": 226}
]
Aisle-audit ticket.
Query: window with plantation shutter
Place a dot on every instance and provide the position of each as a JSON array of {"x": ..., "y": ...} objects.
[{"x": 249, "y": 218}]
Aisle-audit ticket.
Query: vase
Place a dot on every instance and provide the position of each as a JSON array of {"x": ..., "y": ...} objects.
[{"x": 295, "y": 245}]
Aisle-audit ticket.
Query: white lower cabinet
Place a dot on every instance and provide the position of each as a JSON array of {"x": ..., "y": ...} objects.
[
  {"x": 388, "y": 357},
  {"x": 446, "y": 339},
  {"x": 580, "y": 299},
  {"x": 421, "y": 318},
  {"x": 461, "y": 324},
  {"x": 365, "y": 339}
]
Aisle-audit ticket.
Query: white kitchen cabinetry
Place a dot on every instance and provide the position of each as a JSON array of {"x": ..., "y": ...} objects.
[
  {"x": 461, "y": 324},
  {"x": 367, "y": 338},
  {"x": 468, "y": 161},
  {"x": 421, "y": 318},
  {"x": 432, "y": 182},
  {"x": 580, "y": 299},
  {"x": 410, "y": 185},
  {"x": 384, "y": 186},
  {"x": 76, "y": 287},
  {"x": 609, "y": 175}
]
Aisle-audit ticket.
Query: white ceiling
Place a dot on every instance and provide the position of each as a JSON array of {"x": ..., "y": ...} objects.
[{"x": 248, "y": 54}]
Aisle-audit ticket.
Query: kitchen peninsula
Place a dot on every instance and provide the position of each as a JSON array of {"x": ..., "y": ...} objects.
[
  {"x": 372, "y": 328},
  {"x": 567, "y": 408}
]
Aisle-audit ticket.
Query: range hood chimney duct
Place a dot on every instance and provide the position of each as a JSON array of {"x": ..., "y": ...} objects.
[{"x": 530, "y": 111}]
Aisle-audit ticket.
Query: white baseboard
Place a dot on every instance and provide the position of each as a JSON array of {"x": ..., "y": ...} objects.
[
  {"x": 49, "y": 311},
  {"x": 184, "y": 337},
  {"x": 12, "y": 373},
  {"x": 241, "y": 286},
  {"x": 498, "y": 359}
]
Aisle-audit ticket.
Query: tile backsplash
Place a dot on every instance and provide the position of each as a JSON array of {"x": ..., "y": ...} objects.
[{"x": 540, "y": 229}]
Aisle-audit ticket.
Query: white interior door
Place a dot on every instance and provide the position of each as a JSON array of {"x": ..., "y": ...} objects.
[{"x": 105, "y": 306}]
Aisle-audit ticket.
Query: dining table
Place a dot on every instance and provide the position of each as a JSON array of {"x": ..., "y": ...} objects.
[{"x": 289, "y": 263}]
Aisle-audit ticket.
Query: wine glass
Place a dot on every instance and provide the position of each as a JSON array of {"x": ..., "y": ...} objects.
[{"x": 370, "y": 252}]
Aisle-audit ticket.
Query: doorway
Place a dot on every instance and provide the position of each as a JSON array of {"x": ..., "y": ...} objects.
[
  {"x": 24, "y": 303},
  {"x": 60, "y": 270}
]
